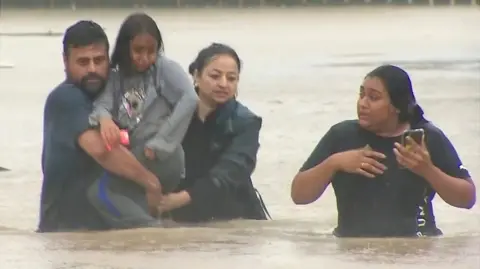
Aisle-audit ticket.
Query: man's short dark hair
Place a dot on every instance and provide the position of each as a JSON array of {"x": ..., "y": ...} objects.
[{"x": 84, "y": 33}]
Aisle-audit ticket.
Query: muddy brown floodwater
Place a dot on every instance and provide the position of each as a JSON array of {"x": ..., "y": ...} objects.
[{"x": 302, "y": 71}]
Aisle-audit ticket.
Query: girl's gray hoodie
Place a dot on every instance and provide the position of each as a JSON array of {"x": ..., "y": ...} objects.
[{"x": 156, "y": 106}]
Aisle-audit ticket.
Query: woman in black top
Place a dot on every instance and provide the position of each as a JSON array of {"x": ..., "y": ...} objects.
[
  {"x": 220, "y": 146},
  {"x": 383, "y": 189}
]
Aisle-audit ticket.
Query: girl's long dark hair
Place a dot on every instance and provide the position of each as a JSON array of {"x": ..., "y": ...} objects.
[{"x": 135, "y": 24}]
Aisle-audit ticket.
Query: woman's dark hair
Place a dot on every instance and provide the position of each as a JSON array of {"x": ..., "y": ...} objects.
[
  {"x": 206, "y": 55},
  {"x": 135, "y": 24},
  {"x": 399, "y": 87}
]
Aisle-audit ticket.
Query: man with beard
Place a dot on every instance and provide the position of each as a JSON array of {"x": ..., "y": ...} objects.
[{"x": 73, "y": 154}]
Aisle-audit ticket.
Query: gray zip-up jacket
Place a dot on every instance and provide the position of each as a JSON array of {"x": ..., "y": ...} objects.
[{"x": 165, "y": 101}]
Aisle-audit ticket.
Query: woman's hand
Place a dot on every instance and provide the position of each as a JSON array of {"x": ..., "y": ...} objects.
[
  {"x": 173, "y": 201},
  {"x": 110, "y": 133},
  {"x": 416, "y": 158},
  {"x": 361, "y": 161}
]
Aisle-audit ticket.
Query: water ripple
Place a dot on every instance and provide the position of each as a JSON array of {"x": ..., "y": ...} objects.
[{"x": 433, "y": 64}]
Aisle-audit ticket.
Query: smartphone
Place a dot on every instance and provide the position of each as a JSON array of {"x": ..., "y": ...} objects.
[
  {"x": 124, "y": 138},
  {"x": 416, "y": 134}
]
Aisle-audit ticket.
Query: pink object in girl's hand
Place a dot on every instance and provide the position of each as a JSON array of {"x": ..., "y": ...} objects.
[{"x": 124, "y": 138}]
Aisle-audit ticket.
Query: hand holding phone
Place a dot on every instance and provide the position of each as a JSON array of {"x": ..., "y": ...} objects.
[
  {"x": 416, "y": 134},
  {"x": 415, "y": 159}
]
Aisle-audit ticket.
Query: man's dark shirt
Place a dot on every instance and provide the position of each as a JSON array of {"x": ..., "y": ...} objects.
[{"x": 67, "y": 170}]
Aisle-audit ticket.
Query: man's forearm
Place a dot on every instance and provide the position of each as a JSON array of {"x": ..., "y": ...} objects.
[{"x": 118, "y": 160}]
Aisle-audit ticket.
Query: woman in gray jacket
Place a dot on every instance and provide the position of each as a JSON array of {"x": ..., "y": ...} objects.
[{"x": 150, "y": 99}]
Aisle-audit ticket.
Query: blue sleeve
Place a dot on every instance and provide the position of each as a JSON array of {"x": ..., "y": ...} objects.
[
  {"x": 67, "y": 112},
  {"x": 323, "y": 150},
  {"x": 445, "y": 156}
]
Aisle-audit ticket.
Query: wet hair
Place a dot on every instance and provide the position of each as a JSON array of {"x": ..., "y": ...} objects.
[
  {"x": 399, "y": 87},
  {"x": 134, "y": 25},
  {"x": 83, "y": 33},
  {"x": 208, "y": 53}
]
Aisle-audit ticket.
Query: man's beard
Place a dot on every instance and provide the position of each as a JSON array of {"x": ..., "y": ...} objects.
[{"x": 92, "y": 84}]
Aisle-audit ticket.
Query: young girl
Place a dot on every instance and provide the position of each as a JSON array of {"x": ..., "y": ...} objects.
[{"x": 152, "y": 99}]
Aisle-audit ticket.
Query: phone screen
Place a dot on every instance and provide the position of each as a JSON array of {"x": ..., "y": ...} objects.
[{"x": 416, "y": 135}]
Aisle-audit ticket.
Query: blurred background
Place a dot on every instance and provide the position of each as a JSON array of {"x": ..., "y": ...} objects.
[
  {"x": 220, "y": 3},
  {"x": 303, "y": 64}
]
